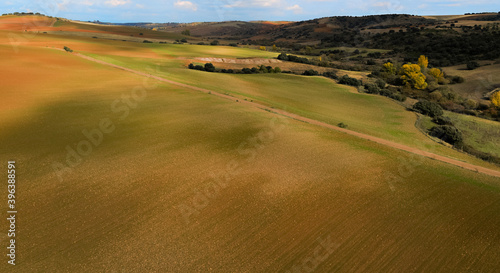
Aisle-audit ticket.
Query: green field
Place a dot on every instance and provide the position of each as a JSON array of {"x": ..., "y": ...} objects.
[
  {"x": 183, "y": 181},
  {"x": 481, "y": 134},
  {"x": 313, "y": 97}
]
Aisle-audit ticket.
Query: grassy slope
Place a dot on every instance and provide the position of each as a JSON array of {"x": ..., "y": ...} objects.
[
  {"x": 119, "y": 209},
  {"x": 481, "y": 134},
  {"x": 313, "y": 97},
  {"x": 477, "y": 82},
  {"x": 119, "y": 30}
]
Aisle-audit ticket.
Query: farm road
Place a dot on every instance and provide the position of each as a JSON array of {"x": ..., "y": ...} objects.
[{"x": 385, "y": 142}]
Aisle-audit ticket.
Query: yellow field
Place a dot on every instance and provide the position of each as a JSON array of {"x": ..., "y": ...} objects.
[{"x": 119, "y": 172}]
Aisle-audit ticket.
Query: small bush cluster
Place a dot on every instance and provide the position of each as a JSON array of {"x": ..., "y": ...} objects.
[
  {"x": 331, "y": 75},
  {"x": 68, "y": 49},
  {"x": 428, "y": 108},
  {"x": 350, "y": 81},
  {"x": 310, "y": 72},
  {"x": 472, "y": 65},
  {"x": 209, "y": 67},
  {"x": 448, "y": 134},
  {"x": 482, "y": 155}
]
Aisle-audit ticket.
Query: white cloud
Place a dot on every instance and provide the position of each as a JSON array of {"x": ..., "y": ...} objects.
[
  {"x": 255, "y": 3},
  {"x": 295, "y": 8},
  {"x": 387, "y": 6},
  {"x": 186, "y": 5},
  {"x": 115, "y": 3},
  {"x": 140, "y": 6},
  {"x": 87, "y": 3}
]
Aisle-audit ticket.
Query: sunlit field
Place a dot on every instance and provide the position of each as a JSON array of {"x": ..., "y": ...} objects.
[{"x": 121, "y": 172}]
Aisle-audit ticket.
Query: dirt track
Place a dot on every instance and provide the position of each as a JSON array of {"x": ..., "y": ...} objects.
[{"x": 406, "y": 148}]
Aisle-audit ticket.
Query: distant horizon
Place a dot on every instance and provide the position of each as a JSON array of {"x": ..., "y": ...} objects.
[
  {"x": 248, "y": 21},
  {"x": 180, "y": 11}
]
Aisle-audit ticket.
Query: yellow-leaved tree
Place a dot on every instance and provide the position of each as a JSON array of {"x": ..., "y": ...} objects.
[
  {"x": 495, "y": 99},
  {"x": 389, "y": 67},
  {"x": 423, "y": 62},
  {"x": 412, "y": 74},
  {"x": 436, "y": 73}
]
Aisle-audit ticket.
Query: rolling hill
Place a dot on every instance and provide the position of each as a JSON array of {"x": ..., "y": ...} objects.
[{"x": 128, "y": 161}]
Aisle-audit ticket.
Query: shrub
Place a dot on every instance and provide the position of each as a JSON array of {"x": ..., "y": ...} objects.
[
  {"x": 372, "y": 88},
  {"x": 350, "y": 81},
  {"x": 283, "y": 57},
  {"x": 68, "y": 49},
  {"x": 184, "y": 40},
  {"x": 146, "y": 41},
  {"x": 201, "y": 43},
  {"x": 342, "y": 125},
  {"x": 233, "y": 45},
  {"x": 398, "y": 97},
  {"x": 381, "y": 83},
  {"x": 209, "y": 67},
  {"x": 310, "y": 72},
  {"x": 331, "y": 75},
  {"x": 246, "y": 70},
  {"x": 214, "y": 42},
  {"x": 277, "y": 70},
  {"x": 482, "y": 155},
  {"x": 456, "y": 79},
  {"x": 448, "y": 134},
  {"x": 472, "y": 65},
  {"x": 440, "y": 120},
  {"x": 428, "y": 108}
]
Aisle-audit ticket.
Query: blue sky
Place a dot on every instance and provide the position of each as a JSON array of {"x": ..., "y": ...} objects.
[{"x": 160, "y": 11}]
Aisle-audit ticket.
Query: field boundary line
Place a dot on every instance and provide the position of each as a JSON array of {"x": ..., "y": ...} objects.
[{"x": 461, "y": 164}]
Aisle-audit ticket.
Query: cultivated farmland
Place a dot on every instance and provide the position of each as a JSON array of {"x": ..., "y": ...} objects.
[{"x": 119, "y": 171}]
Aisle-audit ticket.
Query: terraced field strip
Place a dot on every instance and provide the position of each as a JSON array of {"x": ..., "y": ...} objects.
[{"x": 385, "y": 142}]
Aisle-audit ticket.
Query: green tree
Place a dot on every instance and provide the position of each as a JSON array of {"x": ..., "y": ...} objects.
[
  {"x": 186, "y": 32},
  {"x": 209, "y": 67},
  {"x": 428, "y": 108},
  {"x": 448, "y": 134}
]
